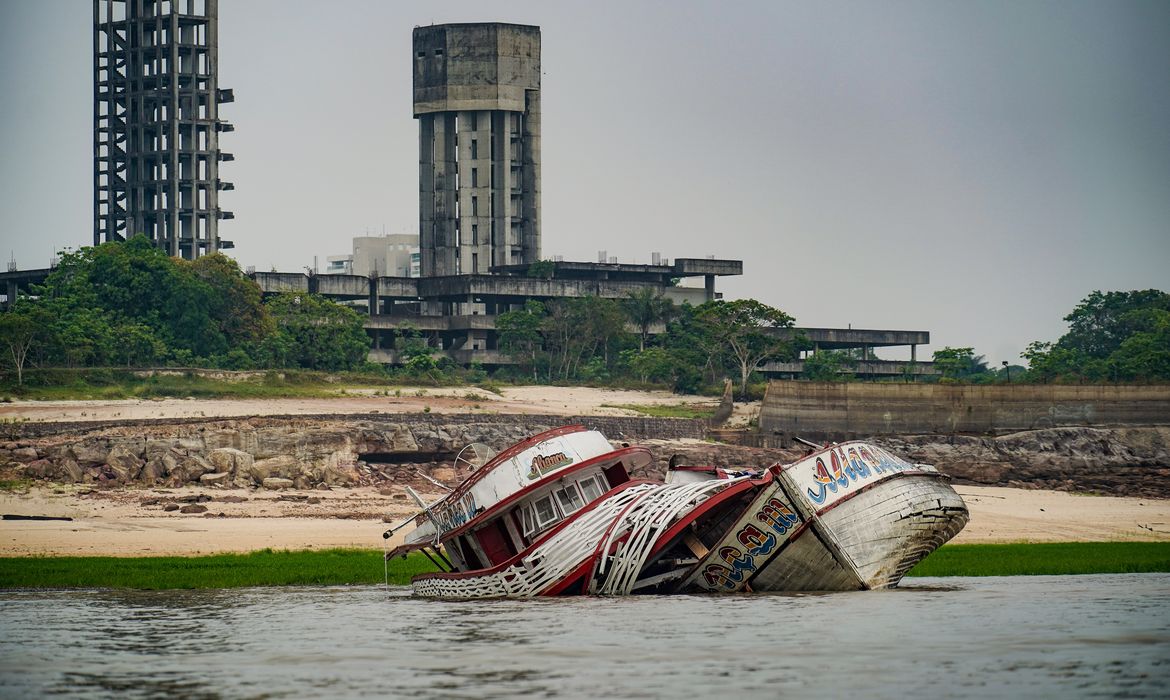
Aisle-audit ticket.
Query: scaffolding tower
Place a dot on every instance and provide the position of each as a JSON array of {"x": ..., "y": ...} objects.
[{"x": 157, "y": 126}]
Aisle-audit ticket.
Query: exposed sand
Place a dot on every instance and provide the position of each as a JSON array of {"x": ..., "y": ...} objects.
[
  {"x": 116, "y": 523},
  {"x": 551, "y": 400}
]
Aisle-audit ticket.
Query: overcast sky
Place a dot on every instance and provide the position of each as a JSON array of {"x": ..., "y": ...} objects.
[{"x": 968, "y": 168}]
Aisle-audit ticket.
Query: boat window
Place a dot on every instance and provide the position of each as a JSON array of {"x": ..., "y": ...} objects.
[
  {"x": 527, "y": 521},
  {"x": 546, "y": 512},
  {"x": 590, "y": 488},
  {"x": 570, "y": 499}
]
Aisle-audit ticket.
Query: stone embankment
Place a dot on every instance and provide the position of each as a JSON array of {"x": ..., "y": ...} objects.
[
  {"x": 1115, "y": 461},
  {"x": 284, "y": 452},
  {"x": 280, "y": 452}
]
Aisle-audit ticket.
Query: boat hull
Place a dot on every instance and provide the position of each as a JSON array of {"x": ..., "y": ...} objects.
[{"x": 849, "y": 517}]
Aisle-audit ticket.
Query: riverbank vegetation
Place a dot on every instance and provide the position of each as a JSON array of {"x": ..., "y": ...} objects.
[
  {"x": 363, "y": 567},
  {"x": 130, "y": 306},
  {"x": 1039, "y": 559},
  {"x": 332, "y": 567}
]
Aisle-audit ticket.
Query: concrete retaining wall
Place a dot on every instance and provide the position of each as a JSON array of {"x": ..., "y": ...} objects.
[{"x": 843, "y": 410}]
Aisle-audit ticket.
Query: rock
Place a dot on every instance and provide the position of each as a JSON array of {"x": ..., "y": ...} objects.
[
  {"x": 171, "y": 507},
  {"x": 193, "y": 508},
  {"x": 156, "y": 469},
  {"x": 70, "y": 472},
  {"x": 216, "y": 479},
  {"x": 276, "y": 483},
  {"x": 232, "y": 499},
  {"x": 38, "y": 468},
  {"x": 25, "y": 454},
  {"x": 284, "y": 467},
  {"x": 230, "y": 460},
  {"x": 443, "y": 474},
  {"x": 155, "y": 448},
  {"x": 90, "y": 452},
  {"x": 124, "y": 463},
  {"x": 313, "y": 500},
  {"x": 339, "y": 476}
]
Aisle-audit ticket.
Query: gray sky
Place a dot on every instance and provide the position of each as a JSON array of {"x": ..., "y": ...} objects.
[{"x": 969, "y": 168}]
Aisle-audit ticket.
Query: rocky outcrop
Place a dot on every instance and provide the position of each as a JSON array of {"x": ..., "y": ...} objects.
[
  {"x": 307, "y": 452},
  {"x": 1118, "y": 461}
]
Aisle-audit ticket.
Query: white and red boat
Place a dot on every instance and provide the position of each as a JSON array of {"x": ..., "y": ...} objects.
[{"x": 559, "y": 514}]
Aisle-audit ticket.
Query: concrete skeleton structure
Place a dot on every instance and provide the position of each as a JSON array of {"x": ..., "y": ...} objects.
[
  {"x": 156, "y": 124},
  {"x": 477, "y": 102}
]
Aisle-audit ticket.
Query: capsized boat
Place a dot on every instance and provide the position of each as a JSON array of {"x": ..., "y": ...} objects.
[{"x": 560, "y": 514}]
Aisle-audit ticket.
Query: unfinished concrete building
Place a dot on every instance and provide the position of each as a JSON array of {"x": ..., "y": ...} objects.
[
  {"x": 156, "y": 124},
  {"x": 477, "y": 102}
]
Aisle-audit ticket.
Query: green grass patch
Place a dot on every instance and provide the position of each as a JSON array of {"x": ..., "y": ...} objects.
[
  {"x": 679, "y": 410},
  {"x": 1026, "y": 559},
  {"x": 263, "y": 568},
  {"x": 15, "y": 485}
]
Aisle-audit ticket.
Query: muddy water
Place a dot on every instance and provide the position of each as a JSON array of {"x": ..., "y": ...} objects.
[{"x": 1073, "y": 636}]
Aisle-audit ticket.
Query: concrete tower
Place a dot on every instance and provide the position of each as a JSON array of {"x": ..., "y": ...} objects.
[
  {"x": 156, "y": 124},
  {"x": 477, "y": 100}
]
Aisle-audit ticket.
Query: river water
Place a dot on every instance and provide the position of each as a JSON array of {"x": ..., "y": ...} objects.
[{"x": 1040, "y": 637}]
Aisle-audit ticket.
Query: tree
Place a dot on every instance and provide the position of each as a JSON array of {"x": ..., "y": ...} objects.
[
  {"x": 519, "y": 333},
  {"x": 20, "y": 330},
  {"x": 742, "y": 328},
  {"x": 651, "y": 364},
  {"x": 1104, "y": 320},
  {"x": 828, "y": 366},
  {"x": 957, "y": 364},
  {"x": 1112, "y": 336},
  {"x": 646, "y": 307},
  {"x": 237, "y": 307},
  {"x": 321, "y": 334}
]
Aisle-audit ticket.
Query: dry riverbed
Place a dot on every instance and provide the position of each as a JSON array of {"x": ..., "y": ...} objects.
[
  {"x": 145, "y": 522},
  {"x": 524, "y": 400}
]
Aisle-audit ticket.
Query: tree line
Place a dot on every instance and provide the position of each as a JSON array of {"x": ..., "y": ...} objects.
[
  {"x": 130, "y": 304},
  {"x": 1111, "y": 337},
  {"x": 590, "y": 339}
]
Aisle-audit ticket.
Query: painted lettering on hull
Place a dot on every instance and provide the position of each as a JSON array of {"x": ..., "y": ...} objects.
[
  {"x": 849, "y": 467},
  {"x": 754, "y": 539}
]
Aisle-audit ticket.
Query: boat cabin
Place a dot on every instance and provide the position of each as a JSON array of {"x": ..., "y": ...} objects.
[{"x": 521, "y": 495}]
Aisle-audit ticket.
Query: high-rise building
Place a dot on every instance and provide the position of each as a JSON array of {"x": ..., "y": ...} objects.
[
  {"x": 477, "y": 101},
  {"x": 156, "y": 99}
]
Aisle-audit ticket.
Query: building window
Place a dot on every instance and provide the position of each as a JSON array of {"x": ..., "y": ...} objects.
[
  {"x": 422, "y": 54},
  {"x": 438, "y": 52},
  {"x": 475, "y": 234},
  {"x": 475, "y": 263},
  {"x": 474, "y": 149},
  {"x": 475, "y": 206},
  {"x": 475, "y": 121},
  {"x": 475, "y": 177}
]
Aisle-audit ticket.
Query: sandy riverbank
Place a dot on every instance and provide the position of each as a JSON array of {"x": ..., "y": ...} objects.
[
  {"x": 544, "y": 400},
  {"x": 132, "y": 522}
]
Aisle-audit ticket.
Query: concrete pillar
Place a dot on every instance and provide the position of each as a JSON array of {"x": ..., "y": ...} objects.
[
  {"x": 709, "y": 284},
  {"x": 913, "y": 353},
  {"x": 12, "y": 292},
  {"x": 373, "y": 296}
]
